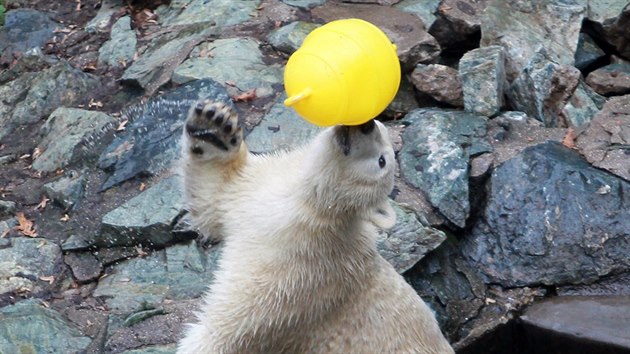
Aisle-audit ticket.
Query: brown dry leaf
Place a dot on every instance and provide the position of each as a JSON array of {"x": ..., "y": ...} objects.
[
  {"x": 65, "y": 218},
  {"x": 569, "y": 139},
  {"x": 78, "y": 8},
  {"x": 37, "y": 152},
  {"x": 50, "y": 279},
  {"x": 122, "y": 125},
  {"x": 25, "y": 226},
  {"x": 25, "y": 156},
  {"x": 141, "y": 253},
  {"x": 142, "y": 186},
  {"x": 93, "y": 103},
  {"x": 246, "y": 96},
  {"x": 43, "y": 203},
  {"x": 59, "y": 172}
]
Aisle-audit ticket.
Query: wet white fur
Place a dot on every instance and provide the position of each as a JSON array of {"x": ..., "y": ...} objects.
[{"x": 299, "y": 271}]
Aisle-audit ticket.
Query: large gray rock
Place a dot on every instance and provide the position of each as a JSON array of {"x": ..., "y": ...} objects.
[
  {"x": 424, "y": 9},
  {"x": 281, "y": 129},
  {"x": 146, "y": 219},
  {"x": 25, "y": 261},
  {"x": 179, "y": 272},
  {"x": 523, "y": 27},
  {"x": 551, "y": 219},
  {"x": 101, "y": 22},
  {"x": 482, "y": 72},
  {"x": 587, "y": 320},
  {"x": 156, "y": 64},
  {"x": 25, "y": 29},
  {"x": 237, "y": 61},
  {"x": 413, "y": 44},
  {"x": 120, "y": 49},
  {"x": 32, "y": 97},
  {"x": 610, "y": 80},
  {"x": 30, "y": 327},
  {"x": 408, "y": 241},
  {"x": 458, "y": 23},
  {"x": 440, "y": 82},
  {"x": 64, "y": 129},
  {"x": 304, "y": 4},
  {"x": 587, "y": 52},
  {"x": 605, "y": 141},
  {"x": 435, "y": 157},
  {"x": 553, "y": 93},
  {"x": 289, "y": 38},
  {"x": 220, "y": 13},
  {"x": 150, "y": 142}
]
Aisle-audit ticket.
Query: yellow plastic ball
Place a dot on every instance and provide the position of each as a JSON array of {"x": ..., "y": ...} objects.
[{"x": 346, "y": 72}]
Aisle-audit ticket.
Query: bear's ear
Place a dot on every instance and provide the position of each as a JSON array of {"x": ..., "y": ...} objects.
[{"x": 384, "y": 215}]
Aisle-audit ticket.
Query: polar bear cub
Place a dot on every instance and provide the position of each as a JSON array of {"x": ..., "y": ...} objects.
[{"x": 299, "y": 272}]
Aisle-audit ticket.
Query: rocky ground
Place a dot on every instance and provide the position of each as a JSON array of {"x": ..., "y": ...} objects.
[{"x": 512, "y": 132}]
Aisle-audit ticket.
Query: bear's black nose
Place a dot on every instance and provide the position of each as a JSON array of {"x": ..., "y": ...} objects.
[{"x": 368, "y": 127}]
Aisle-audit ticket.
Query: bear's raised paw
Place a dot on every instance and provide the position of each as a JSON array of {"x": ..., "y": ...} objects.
[{"x": 212, "y": 129}]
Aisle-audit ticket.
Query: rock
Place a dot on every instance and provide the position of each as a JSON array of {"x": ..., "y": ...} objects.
[
  {"x": 425, "y": 9},
  {"x": 156, "y": 65},
  {"x": 66, "y": 191},
  {"x": 7, "y": 208},
  {"x": 85, "y": 267},
  {"x": 451, "y": 288},
  {"x": 543, "y": 88},
  {"x": 582, "y": 106},
  {"x": 179, "y": 272},
  {"x": 605, "y": 141},
  {"x": 281, "y": 129},
  {"x": 30, "y": 327},
  {"x": 482, "y": 73},
  {"x": 28, "y": 259},
  {"x": 587, "y": 52},
  {"x": 150, "y": 142},
  {"x": 25, "y": 29},
  {"x": 610, "y": 19},
  {"x": 289, "y": 38},
  {"x": 522, "y": 28},
  {"x": 237, "y": 61},
  {"x": 404, "y": 101},
  {"x": 435, "y": 157},
  {"x": 440, "y": 82},
  {"x": 222, "y": 13},
  {"x": 616, "y": 285},
  {"x": 408, "y": 241},
  {"x": 155, "y": 349},
  {"x": 458, "y": 23},
  {"x": 100, "y": 23},
  {"x": 75, "y": 243},
  {"x": 380, "y": 2},
  {"x": 64, "y": 129},
  {"x": 588, "y": 320},
  {"x": 121, "y": 47},
  {"x": 610, "y": 80},
  {"x": 529, "y": 235},
  {"x": 413, "y": 44},
  {"x": 304, "y": 4},
  {"x": 32, "y": 97},
  {"x": 144, "y": 220}
]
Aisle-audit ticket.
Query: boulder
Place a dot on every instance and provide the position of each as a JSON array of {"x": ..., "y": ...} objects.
[
  {"x": 482, "y": 73},
  {"x": 101, "y": 22},
  {"x": 435, "y": 157},
  {"x": 552, "y": 219},
  {"x": 121, "y": 47},
  {"x": 440, "y": 82},
  {"x": 610, "y": 80},
  {"x": 289, "y": 38},
  {"x": 610, "y": 19},
  {"x": 424, "y": 9},
  {"x": 220, "y": 14},
  {"x": 587, "y": 52},
  {"x": 67, "y": 190},
  {"x": 458, "y": 23},
  {"x": 25, "y": 29},
  {"x": 25, "y": 262},
  {"x": 304, "y": 4}
]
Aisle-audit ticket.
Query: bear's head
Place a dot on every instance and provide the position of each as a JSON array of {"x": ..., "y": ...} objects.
[{"x": 353, "y": 172}]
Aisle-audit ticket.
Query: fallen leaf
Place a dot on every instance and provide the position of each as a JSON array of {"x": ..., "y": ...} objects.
[
  {"x": 142, "y": 186},
  {"x": 59, "y": 172},
  {"x": 25, "y": 156},
  {"x": 246, "y": 96},
  {"x": 141, "y": 253},
  {"x": 43, "y": 203},
  {"x": 124, "y": 280},
  {"x": 122, "y": 126},
  {"x": 37, "y": 152},
  {"x": 46, "y": 304},
  {"x": 25, "y": 226},
  {"x": 569, "y": 139},
  {"x": 65, "y": 218},
  {"x": 93, "y": 103},
  {"x": 5, "y": 233},
  {"x": 50, "y": 279}
]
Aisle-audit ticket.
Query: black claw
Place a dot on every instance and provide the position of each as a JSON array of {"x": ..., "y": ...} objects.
[
  {"x": 227, "y": 128},
  {"x": 199, "y": 108},
  {"x": 233, "y": 141},
  {"x": 218, "y": 119},
  {"x": 210, "y": 112},
  {"x": 206, "y": 136}
]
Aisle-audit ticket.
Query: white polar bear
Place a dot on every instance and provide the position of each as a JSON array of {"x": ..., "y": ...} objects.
[{"x": 299, "y": 272}]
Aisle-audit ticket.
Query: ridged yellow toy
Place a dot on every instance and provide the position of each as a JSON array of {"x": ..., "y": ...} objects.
[{"x": 346, "y": 72}]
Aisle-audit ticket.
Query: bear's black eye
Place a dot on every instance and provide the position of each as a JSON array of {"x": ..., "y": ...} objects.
[{"x": 381, "y": 162}]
